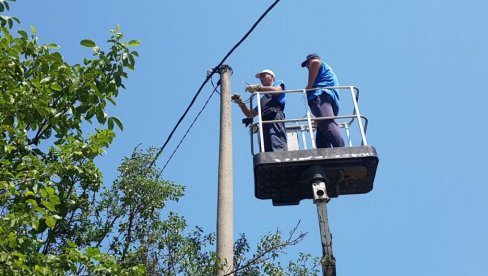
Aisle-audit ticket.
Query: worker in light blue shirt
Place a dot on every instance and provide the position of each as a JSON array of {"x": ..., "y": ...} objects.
[
  {"x": 272, "y": 108},
  {"x": 323, "y": 102}
]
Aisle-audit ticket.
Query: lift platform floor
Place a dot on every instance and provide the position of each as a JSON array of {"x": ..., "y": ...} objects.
[{"x": 282, "y": 176}]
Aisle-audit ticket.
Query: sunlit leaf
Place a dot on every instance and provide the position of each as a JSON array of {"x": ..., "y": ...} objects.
[
  {"x": 88, "y": 43},
  {"x": 32, "y": 202},
  {"x": 54, "y": 199},
  {"x": 56, "y": 87},
  {"x": 48, "y": 205},
  {"x": 12, "y": 242},
  {"x": 50, "y": 222},
  {"x": 134, "y": 43},
  {"x": 53, "y": 46},
  {"x": 35, "y": 224},
  {"x": 50, "y": 190}
]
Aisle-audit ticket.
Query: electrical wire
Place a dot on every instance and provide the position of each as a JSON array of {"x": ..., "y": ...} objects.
[
  {"x": 189, "y": 128},
  {"x": 209, "y": 76},
  {"x": 215, "y": 88}
]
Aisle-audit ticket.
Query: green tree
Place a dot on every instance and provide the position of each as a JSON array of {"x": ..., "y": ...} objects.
[
  {"x": 47, "y": 170},
  {"x": 134, "y": 209}
]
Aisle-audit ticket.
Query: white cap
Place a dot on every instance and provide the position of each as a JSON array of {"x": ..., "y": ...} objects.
[{"x": 265, "y": 71}]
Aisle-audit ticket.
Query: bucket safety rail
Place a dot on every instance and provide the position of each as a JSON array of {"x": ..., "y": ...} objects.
[{"x": 300, "y": 130}]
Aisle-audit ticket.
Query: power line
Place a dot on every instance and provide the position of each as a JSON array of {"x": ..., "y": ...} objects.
[
  {"x": 189, "y": 128},
  {"x": 209, "y": 76}
]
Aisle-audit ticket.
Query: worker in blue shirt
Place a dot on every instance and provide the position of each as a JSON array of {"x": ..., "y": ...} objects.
[
  {"x": 272, "y": 108},
  {"x": 323, "y": 102}
]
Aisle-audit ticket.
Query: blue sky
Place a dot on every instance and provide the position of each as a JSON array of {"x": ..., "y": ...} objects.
[{"x": 420, "y": 65}]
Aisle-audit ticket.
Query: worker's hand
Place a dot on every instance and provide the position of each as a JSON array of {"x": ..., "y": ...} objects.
[
  {"x": 252, "y": 88},
  {"x": 237, "y": 99}
]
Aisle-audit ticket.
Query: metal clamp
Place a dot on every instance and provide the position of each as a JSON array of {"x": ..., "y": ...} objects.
[{"x": 320, "y": 192}]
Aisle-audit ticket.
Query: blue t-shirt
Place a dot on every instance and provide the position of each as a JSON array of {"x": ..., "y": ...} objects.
[
  {"x": 326, "y": 77},
  {"x": 271, "y": 100}
]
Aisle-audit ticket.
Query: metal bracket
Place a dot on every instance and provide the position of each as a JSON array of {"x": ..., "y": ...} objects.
[{"x": 320, "y": 191}]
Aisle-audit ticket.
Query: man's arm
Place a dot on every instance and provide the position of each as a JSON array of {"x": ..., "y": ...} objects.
[
  {"x": 272, "y": 89},
  {"x": 313, "y": 70},
  {"x": 238, "y": 100},
  {"x": 269, "y": 88}
]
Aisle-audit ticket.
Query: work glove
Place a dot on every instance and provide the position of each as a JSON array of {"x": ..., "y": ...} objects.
[
  {"x": 237, "y": 99},
  {"x": 252, "y": 88}
]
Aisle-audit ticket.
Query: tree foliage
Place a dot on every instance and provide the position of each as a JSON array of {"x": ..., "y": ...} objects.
[
  {"x": 47, "y": 171},
  {"x": 56, "y": 215},
  {"x": 135, "y": 208}
]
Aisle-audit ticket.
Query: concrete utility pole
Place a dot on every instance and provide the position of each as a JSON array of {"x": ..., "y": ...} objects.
[{"x": 225, "y": 205}]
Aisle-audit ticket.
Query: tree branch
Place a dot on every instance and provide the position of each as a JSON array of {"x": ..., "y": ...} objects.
[{"x": 262, "y": 256}]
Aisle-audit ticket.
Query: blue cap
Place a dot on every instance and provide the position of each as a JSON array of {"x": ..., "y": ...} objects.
[{"x": 308, "y": 58}]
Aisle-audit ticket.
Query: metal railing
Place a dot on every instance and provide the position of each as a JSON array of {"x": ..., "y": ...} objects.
[{"x": 304, "y": 128}]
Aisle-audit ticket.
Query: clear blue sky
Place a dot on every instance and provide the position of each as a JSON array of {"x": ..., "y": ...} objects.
[{"x": 422, "y": 69}]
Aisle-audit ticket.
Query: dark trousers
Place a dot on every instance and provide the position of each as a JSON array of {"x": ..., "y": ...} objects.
[
  {"x": 275, "y": 135},
  {"x": 328, "y": 133}
]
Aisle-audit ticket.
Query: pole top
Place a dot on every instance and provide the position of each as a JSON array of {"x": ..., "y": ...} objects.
[{"x": 224, "y": 67}]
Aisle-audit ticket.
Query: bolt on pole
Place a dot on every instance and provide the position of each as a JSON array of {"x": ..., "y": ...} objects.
[{"x": 225, "y": 201}]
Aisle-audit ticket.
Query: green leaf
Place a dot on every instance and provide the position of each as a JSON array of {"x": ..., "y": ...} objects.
[
  {"x": 110, "y": 123},
  {"x": 54, "y": 199},
  {"x": 35, "y": 224},
  {"x": 50, "y": 222},
  {"x": 33, "y": 29},
  {"x": 50, "y": 190},
  {"x": 117, "y": 121},
  {"x": 101, "y": 115},
  {"x": 90, "y": 113},
  {"x": 19, "y": 255},
  {"x": 56, "y": 87},
  {"x": 32, "y": 202},
  {"x": 53, "y": 46},
  {"x": 92, "y": 251},
  {"x": 12, "y": 242},
  {"x": 40, "y": 210},
  {"x": 134, "y": 43},
  {"x": 88, "y": 43},
  {"x": 48, "y": 205},
  {"x": 23, "y": 34}
]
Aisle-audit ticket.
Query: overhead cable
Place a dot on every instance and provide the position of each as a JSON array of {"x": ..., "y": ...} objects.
[
  {"x": 209, "y": 76},
  {"x": 188, "y": 130}
]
